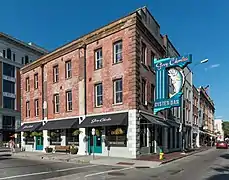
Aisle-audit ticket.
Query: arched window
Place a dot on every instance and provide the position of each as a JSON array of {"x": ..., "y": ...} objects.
[{"x": 8, "y": 53}]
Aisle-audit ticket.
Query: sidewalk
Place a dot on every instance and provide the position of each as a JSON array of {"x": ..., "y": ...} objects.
[{"x": 146, "y": 161}]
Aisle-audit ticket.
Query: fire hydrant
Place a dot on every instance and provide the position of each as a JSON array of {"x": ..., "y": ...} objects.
[{"x": 161, "y": 155}]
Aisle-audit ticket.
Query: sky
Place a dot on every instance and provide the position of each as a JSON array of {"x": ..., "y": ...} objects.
[{"x": 194, "y": 27}]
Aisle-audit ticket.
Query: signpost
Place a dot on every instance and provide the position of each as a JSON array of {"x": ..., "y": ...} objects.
[{"x": 93, "y": 136}]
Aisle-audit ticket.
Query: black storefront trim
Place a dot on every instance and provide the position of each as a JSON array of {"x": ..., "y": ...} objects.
[
  {"x": 105, "y": 120},
  {"x": 61, "y": 124},
  {"x": 172, "y": 123},
  {"x": 29, "y": 127},
  {"x": 153, "y": 120}
]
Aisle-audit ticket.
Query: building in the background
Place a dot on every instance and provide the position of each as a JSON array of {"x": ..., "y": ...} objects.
[
  {"x": 206, "y": 114},
  {"x": 219, "y": 129},
  {"x": 13, "y": 55},
  {"x": 195, "y": 117}
]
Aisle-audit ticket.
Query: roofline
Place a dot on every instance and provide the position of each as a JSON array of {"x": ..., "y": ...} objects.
[
  {"x": 172, "y": 44},
  {"x": 78, "y": 41},
  {"x": 38, "y": 49}
]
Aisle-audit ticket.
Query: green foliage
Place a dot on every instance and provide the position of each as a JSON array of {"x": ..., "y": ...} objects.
[
  {"x": 226, "y": 129},
  {"x": 25, "y": 134},
  {"x": 76, "y": 132},
  {"x": 35, "y": 134}
]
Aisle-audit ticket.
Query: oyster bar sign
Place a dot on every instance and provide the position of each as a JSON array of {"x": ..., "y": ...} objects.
[
  {"x": 100, "y": 120},
  {"x": 28, "y": 127}
]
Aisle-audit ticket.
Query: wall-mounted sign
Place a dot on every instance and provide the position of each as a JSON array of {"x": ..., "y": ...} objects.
[
  {"x": 100, "y": 120},
  {"x": 168, "y": 97}
]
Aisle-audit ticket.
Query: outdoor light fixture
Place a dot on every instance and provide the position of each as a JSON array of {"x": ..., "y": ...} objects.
[{"x": 204, "y": 61}]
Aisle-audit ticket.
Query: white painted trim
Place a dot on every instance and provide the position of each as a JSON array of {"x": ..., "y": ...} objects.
[
  {"x": 30, "y": 122},
  {"x": 113, "y": 112}
]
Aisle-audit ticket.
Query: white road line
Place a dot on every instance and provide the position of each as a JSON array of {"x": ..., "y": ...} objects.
[
  {"x": 109, "y": 171},
  {"x": 46, "y": 172}
]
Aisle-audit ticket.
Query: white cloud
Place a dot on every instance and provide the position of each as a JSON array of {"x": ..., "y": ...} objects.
[{"x": 212, "y": 66}]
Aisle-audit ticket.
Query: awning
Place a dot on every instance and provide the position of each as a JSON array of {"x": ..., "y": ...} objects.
[
  {"x": 172, "y": 123},
  {"x": 61, "y": 124},
  {"x": 29, "y": 127},
  {"x": 153, "y": 120},
  {"x": 105, "y": 120}
]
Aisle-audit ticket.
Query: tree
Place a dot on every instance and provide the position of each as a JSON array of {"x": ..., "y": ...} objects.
[{"x": 226, "y": 129}]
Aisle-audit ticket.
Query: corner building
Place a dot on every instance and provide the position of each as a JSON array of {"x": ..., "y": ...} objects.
[{"x": 103, "y": 80}]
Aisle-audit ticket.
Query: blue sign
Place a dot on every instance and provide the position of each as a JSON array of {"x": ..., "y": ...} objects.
[{"x": 168, "y": 97}]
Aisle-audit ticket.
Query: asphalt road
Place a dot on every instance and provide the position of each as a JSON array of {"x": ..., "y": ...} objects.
[{"x": 210, "y": 165}]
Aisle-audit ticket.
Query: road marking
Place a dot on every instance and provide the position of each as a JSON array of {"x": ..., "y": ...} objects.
[
  {"x": 47, "y": 172},
  {"x": 109, "y": 171}
]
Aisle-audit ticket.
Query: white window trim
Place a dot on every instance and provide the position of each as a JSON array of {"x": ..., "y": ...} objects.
[
  {"x": 144, "y": 101},
  {"x": 27, "y": 109},
  {"x": 99, "y": 53},
  {"x": 36, "y": 83},
  {"x": 68, "y": 69},
  {"x": 96, "y": 95},
  {"x": 56, "y": 103},
  {"x": 36, "y": 107},
  {"x": 69, "y": 101},
  {"x": 55, "y": 74},
  {"x": 120, "y": 51},
  {"x": 144, "y": 54},
  {"x": 116, "y": 92},
  {"x": 27, "y": 84}
]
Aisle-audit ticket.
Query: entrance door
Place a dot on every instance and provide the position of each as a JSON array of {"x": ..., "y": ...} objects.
[
  {"x": 95, "y": 144},
  {"x": 39, "y": 143}
]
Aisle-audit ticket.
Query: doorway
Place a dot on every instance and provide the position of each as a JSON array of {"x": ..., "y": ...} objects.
[
  {"x": 95, "y": 142},
  {"x": 39, "y": 143}
]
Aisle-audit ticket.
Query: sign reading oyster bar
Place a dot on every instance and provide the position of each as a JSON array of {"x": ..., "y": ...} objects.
[{"x": 100, "y": 120}]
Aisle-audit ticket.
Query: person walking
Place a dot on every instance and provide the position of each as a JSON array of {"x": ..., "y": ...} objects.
[{"x": 12, "y": 145}]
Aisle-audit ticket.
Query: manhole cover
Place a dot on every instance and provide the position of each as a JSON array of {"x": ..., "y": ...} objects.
[{"x": 116, "y": 174}]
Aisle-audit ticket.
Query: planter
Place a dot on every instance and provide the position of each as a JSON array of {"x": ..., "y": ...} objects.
[
  {"x": 74, "y": 150},
  {"x": 48, "y": 150}
]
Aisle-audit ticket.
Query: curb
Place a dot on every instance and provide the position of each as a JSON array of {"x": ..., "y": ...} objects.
[{"x": 181, "y": 157}]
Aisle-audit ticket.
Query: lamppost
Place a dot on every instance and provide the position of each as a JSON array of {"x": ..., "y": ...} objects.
[{"x": 184, "y": 129}]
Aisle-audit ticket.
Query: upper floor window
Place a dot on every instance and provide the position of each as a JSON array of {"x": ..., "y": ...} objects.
[
  {"x": 8, "y": 54},
  {"x": 152, "y": 60},
  {"x": 143, "y": 91},
  {"x": 68, "y": 69},
  {"x": 27, "y": 110},
  {"x": 98, "y": 58},
  {"x": 22, "y": 60},
  {"x": 69, "y": 100},
  {"x": 36, "y": 107},
  {"x": 143, "y": 54},
  {"x": 26, "y": 59},
  {"x": 8, "y": 86},
  {"x": 8, "y": 102},
  {"x": 27, "y": 85},
  {"x": 98, "y": 95},
  {"x": 8, "y": 70},
  {"x": 4, "y": 53},
  {"x": 14, "y": 57},
  {"x": 35, "y": 81},
  {"x": 56, "y": 102},
  {"x": 55, "y": 74},
  {"x": 152, "y": 93},
  {"x": 118, "y": 91},
  {"x": 118, "y": 52}
]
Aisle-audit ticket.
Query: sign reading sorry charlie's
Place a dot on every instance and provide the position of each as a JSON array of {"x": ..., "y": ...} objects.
[{"x": 168, "y": 97}]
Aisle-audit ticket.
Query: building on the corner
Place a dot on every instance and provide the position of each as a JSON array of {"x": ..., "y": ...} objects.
[
  {"x": 14, "y": 54},
  {"x": 103, "y": 80},
  {"x": 206, "y": 114},
  {"x": 219, "y": 129}
]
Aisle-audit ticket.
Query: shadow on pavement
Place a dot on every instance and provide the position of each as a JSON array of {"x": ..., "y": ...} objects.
[
  {"x": 225, "y": 156},
  {"x": 223, "y": 173}
]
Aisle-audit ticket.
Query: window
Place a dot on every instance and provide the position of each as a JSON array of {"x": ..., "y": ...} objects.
[
  {"x": 152, "y": 93},
  {"x": 68, "y": 69},
  {"x": 55, "y": 74},
  {"x": 118, "y": 52},
  {"x": 56, "y": 103},
  {"x": 36, "y": 107},
  {"x": 35, "y": 81},
  {"x": 143, "y": 53},
  {"x": 26, "y": 59},
  {"x": 4, "y": 53},
  {"x": 152, "y": 60},
  {"x": 116, "y": 136},
  {"x": 8, "y": 86},
  {"x": 14, "y": 57},
  {"x": 143, "y": 91},
  {"x": 69, "y": 100},
  {"x": 27, "y": 110},
  {"x": 22, "y": 60},
  {"x": 143, "y": 133},
  {"x": 98, "y": 59},
  {"x": 8, "y": 70},
  {"x": 118, "y": 91},
  {"x": 8, "y": 54},
  {"x": 8, "y": 122},
  {"x": 8, "y": 103},
  {"x": 27, "y": 86},
  {"x": 98, "y": 95}
]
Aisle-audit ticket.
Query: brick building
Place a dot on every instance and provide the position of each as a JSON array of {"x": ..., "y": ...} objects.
[
  {"x": 195, "y": 115},
  {"x": 103, "y": 80}
]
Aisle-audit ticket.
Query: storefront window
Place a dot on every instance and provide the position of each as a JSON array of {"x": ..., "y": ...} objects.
[
  {"x": 73, "y": 136},
  {"x": 116, "y": 136},
  {"x": 55, "y": 137},
  {"x": 143, "y": 133},
  {"x": 29, "y": 140}
]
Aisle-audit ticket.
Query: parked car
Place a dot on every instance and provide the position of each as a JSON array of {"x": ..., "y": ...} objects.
[{"x": 222, "y": 145}]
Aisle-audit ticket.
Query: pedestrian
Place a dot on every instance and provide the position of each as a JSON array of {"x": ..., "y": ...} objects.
[{"x": 12, "y": 145}]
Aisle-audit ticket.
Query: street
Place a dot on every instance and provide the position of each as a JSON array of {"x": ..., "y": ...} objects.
[{"x": 210, "y": 165}]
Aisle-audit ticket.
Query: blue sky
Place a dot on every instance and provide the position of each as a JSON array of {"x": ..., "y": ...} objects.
[{"x": 196, "y": 27}]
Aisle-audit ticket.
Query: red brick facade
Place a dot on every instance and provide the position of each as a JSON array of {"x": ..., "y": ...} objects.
[
  {"x": 195, "y": 106},
  {"x": 131, "y": 31}
]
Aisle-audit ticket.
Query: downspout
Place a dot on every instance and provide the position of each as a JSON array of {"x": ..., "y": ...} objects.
[
  {"x": 85, "y": 79},
  {"x": 42, "y": 89}
]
